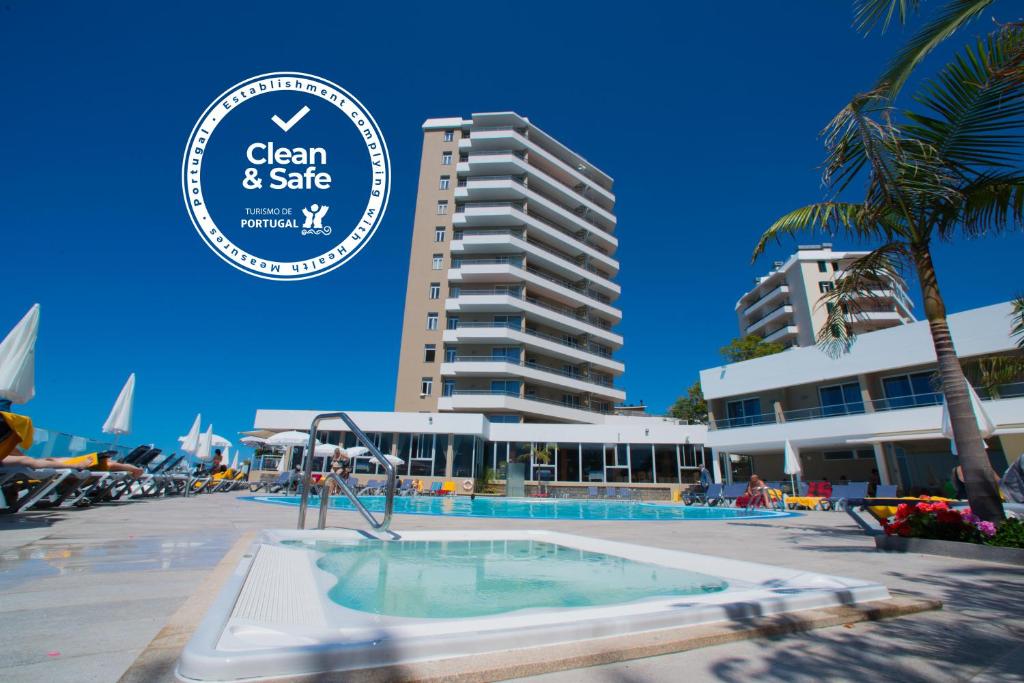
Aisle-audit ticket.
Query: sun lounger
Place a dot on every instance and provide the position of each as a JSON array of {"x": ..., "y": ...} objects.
[
  {"x": 885, "y": 491},
  {"x": 591, "y": 492},
  {"x": 730, "y": 492}
]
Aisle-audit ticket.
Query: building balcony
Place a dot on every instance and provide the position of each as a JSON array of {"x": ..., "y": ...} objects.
[
  {"x": 782, "y": 334},
  {"x": 511, "y": 241},
  {"x": 495, "y": 300},
  {"x": 493, "y": 333},
  {"x": 483, "y": 168},
  {"x": 507, "y": 270},
  {"x": 538, "y": 373},
  {"x": 901, "y": 418},
  {"x": 507, "y": 138},
  {"x": 863, "y": 321},
  {"x": 512, "y": 214},
  {"x": 772, "y": 319},
  {"x": 485, "y": 401},
  {"x": 772, "y": 296}
]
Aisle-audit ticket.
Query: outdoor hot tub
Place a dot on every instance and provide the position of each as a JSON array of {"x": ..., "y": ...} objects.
[{"x": 306, "y": 602}]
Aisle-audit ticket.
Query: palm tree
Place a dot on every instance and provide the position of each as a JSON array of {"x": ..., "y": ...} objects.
[
  {"x": 949, "y": 171},
  {"x": 1018, "y": 320}
]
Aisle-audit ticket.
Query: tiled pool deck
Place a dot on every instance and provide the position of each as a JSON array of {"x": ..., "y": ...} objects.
[{"x": 82, "y": 593}]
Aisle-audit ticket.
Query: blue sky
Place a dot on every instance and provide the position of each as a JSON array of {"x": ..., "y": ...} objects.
[{"x": 706, "y": 116}]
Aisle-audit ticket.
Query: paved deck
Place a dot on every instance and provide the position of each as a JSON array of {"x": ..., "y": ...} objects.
[{"x": 82, "y": 592}]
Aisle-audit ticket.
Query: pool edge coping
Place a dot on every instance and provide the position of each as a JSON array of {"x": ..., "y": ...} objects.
[{"x": 158, "y": 660}]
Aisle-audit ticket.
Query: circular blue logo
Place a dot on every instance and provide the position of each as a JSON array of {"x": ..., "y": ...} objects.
[{"x": 286, "y": 176}]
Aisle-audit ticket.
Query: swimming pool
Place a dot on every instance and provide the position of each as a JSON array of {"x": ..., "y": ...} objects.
[
  {"x": 309, "y": 602},
  {"x": 535, "y": 508}
]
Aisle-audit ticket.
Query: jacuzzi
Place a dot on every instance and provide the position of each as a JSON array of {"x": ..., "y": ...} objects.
[{"x": 307, "y": 602}]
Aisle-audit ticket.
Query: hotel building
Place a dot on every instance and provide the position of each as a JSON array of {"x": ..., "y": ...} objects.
[
  {"x": 783, "y": 306},
  {"x": 877, "y": 407},
  {"x": 510, "y": 305}
]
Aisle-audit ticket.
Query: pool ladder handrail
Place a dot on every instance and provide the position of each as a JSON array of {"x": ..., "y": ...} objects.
[{"x": 307, "y": 477}]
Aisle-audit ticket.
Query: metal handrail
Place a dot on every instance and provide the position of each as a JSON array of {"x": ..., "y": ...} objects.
[{"x": 307, "y": 477}]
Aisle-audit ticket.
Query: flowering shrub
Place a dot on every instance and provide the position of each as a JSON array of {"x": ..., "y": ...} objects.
[{"x": 935, "y": 519}]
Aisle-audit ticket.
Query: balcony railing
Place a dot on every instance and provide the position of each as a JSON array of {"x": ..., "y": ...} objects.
[
  {"x": 571, "y": 374},
  {"x": 518, "y": 233},
  {"x": 762, "y": 317},
  {"x": 591, "y": 348},
  {"x": 517, "y": 262},
  {"x": 1014, "y": 390},
  {"x": 819, "y": 412},
  {"x": 901, "y": 402},
  {"x": 769, "y": 293},
  {"x": 745, "y": 421},
  {"x": 538, "y": 399},
  {"x": 516, "y": 293}
]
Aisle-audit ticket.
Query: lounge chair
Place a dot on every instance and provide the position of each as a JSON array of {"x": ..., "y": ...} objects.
[
  {"x": 885, "y": 491},
  {"x": 435, "y": 489},
  {"x": 730, "y": 492},
  {"x": 591, "y": 492},
  {"x": 713, "y": 496},
  {"x": 840, "y": 492},
  {"x": 448, "y": 488},
  {"x": 611, "y": 492}
]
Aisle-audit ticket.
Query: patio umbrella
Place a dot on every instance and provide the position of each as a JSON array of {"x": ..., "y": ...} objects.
[
  {"x": 985, "y": 425},
  {"x": 792, "y": 464},
  {"x": 225, "y": 455},
  {"x": 289, "y": 439},
  {"x": 253, "y": 441},
  {"x": 203, "y": 453},
  {"x": 120, "y": 419},
  {"x": 190, "y": 442},
  {"x": 18, "y": 359},
  {"x": 234, "y": 463}
]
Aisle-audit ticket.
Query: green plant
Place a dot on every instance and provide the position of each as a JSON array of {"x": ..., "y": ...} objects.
[
  {"x": 543, "y": 455},
  {"x": 484, "y": 480},
  {"x": 748, "y": 347},
  {"x": 1009, "y": 534},
  {"x": 1017, "y": 316},
  {"x": 692, "y": 408}
]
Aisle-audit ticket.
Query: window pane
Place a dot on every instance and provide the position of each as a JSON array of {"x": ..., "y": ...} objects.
[
  {"x": 593, "y": 462},
  {"x": 462, "y": 455},
  {"x": 665, "y": 463},
  {"x": 641, "y": 462},
  {"x": 440, "y": 454},
  {"x": 568, "y": 462},
  {"x": 921, "y": 383}
]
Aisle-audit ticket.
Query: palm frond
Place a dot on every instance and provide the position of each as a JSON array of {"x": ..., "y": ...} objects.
[
  {"x": 974, "y": 115},
  {"x": 865, "y": 283},
  {"x": 945, "y": 23},
  {"x": 1017, "y": 315},
  {"x": 992, "y": 203},
  {"x": 825, "y": 217},
  {"x": 869, "y": 13}
]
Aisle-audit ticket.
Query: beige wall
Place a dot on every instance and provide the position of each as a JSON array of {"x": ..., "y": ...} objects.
[{"x": 411, "y": 368}]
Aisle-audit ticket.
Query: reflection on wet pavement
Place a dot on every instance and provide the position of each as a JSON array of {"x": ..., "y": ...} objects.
[{"x": 54, "y": 557}]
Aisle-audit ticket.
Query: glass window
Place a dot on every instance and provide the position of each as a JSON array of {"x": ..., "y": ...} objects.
[
  {"x": 426, "y": 386},
  {"x": 448, "y": 387},
  {"x": 439, "y": 234},
  {"x": 445, "y": 182},
  {"x": 442, "y": 207},
  {"x": 446, "y": 158},
  {"x": 914, "y": 389},
  {"x": 503, "y": 418},
  {"x": 666, "y": 464},
  {"x": 592, "y": 455},
  {"x": 449, "y": 135},
  {"x": 453, "y": 322},
  {"x": 437, "y": 263},
  {"x": 431, "y": 321},
  {"x": 509, "y": 387},
  {"x": 429, "y": 353},
  {"x": 841, "y": 399},
  {"x": 440, "y": 454},
  {"x": 746, "y": 412},
  {"x": 835, "y": 266},
  {"x": 568, "y": 462},
  {"x": 641, "y": 463},
  {"x": 463, "y": 455},
  {"x": 509, "y": 354},
  {"x": 449, "y": 355},
  {"x": 435, "y": 290},
  {"x": 826, "y": 287},
  {"x": 822, "y": 267}
]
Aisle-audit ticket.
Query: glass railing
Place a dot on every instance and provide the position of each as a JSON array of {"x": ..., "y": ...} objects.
[
  {"x": 538, "y": 399},
  {"x": 582, "y": 239},
  {"x": 901, "y": 402},
  {"x": 571, "y": 374},
  {"x": 745, "y": 421},
  {"x": 591, "y": 349},
  {"x": 1013, "y": 390},
  {"x": 819, "y": 412},
  {"x": 584, "y": 215},
  {"x": 518, "y": 233},
  {"x": 754, "y": 322},
  {"x": 772, "y": 292},
  {"x": 49, "y": 443},
  {"x": 513, "y": 178},
  {"x": 514, "y": 292}
]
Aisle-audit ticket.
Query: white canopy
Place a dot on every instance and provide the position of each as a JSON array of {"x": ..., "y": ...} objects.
[
  {"x": 18, "y": 359},
  {"x": 289, "y": 439},
  {"x": 203, "y": 452},
  {"x": 120, "y": 419},
  {"x": 253, "y": 441},
  {"x": 190, "y": 442}
]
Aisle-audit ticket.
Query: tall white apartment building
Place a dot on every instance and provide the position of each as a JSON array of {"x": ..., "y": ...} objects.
[
  {"x": 510, "y": 305},
  {"x": 783, "y": 306}
]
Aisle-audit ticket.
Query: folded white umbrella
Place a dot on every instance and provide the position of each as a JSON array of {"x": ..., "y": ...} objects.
[
  {"x": 18, "y": 359},
  {"x": 225, "y": 455},
  {"x": 190, "y": 442},
  {"x": 203, "y": 453},
  {"x": 791, "y": 466},
  {"x": 234, "y": 463},
  {"x": 120, "y": 419},
  {"x": 985, "y": 425}
]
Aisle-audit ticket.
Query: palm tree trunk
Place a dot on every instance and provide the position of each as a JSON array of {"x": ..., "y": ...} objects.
[{"x": 981, "y": 488}]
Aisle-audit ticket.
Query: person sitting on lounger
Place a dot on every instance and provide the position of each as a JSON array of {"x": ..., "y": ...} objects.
[
  {"x": 95, "y": 462},
  {"x": 756, "y": 494}
]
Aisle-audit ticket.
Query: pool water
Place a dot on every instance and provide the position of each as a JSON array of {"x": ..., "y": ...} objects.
[
  {"x": 458, "y": 579},
  {"x": 535, "y": 508}
]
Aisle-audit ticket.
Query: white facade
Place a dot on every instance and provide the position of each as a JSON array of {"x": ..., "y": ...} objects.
[
  {"x": 643, "y": 451},
  {"x": 877, "y": 403},
  {"x": 783, "y": 306}
]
